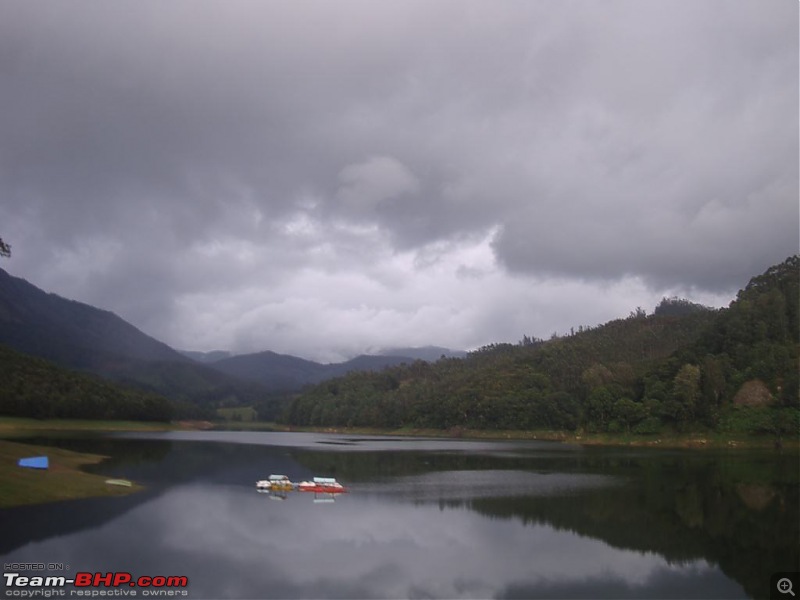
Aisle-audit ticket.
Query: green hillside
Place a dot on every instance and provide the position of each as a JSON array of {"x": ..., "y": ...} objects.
[
  {"x": 81, "y": 337},
  {"x": 33, "y": 387},
  {"x": 682, "y": 368}
]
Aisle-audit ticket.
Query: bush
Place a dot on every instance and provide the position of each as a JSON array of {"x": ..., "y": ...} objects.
[
  {"x": 616, "y": 427},
  {"x": 760, "y": 419},
  {"x": 649, "y": 425}
]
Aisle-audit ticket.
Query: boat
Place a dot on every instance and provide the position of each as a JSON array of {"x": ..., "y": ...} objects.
[
  {"x": 275, "y": 483},
  {"x": 322, "y": 485},
  {"x": 34, "y": 462},
  {"x": 121, "y": 482}
]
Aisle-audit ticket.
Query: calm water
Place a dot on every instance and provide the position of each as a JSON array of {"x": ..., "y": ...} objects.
[{"x": 425, "y": 518}]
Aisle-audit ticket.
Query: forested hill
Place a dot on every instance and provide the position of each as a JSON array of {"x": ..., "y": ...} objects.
[
  {"x": 33, "y": 387},
  {"x": 75, "y": 335},
  {"x": 683, "y": 367},
  {"x": 70, "y": 333}
]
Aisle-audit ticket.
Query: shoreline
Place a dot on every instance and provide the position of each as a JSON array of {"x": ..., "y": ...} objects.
[
  {"x": 15, "y": 427},
  {"x": 692, "y": 440},
  {"x": 66, "y": 478}
]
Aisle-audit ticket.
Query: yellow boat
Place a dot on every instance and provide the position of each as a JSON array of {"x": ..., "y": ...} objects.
[{"x": 279, "y": 483}]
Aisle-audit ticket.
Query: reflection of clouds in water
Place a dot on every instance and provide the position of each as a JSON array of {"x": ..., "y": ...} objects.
[
  {"x": 348, "y": 443},
  {"x": 401, "y": 536},
  {"x": 363, "y": 547},
  {"x": 693, "y": 581},
  {"x": 467, "y": 485},
  {"x": 234, "y": 543}
]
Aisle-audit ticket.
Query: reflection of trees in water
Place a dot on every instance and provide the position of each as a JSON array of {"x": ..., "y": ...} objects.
[
  {"x": 367, "y": 466},
  {"x": 25, "y": 524},
  {"x": 683, "y": 512},
  {"x": 363, "y": 466},
  {"x": 737, "y": 510}
]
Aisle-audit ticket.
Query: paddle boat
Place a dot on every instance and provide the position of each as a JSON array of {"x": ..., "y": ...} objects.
[
  {"x": 322, "y": 485},
  {"x": 275, "y": 483}
]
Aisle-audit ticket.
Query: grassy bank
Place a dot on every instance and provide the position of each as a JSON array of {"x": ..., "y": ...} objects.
[
  {"x": 63, "y": 480},
  {"x": 17, "y": 425}
]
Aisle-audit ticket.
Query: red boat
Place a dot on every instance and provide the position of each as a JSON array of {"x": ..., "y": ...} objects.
[{"x": 322, "y": 485}]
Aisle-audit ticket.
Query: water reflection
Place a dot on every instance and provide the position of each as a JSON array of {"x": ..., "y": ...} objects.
[
  {"x": 469, "y": 485},
  {"x": 450, "y": 520},
  {"x": 233, "y": 543}
]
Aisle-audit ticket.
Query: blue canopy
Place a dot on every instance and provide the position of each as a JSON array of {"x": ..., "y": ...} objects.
[{"x": 34, "y": 462}]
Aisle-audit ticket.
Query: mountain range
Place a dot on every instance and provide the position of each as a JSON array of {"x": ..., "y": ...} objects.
[
  {"x": 78, "y": 336},
  {"x": 684, "y": 366}
]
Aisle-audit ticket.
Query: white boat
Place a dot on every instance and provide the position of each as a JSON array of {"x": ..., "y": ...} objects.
[{"x": 122, "y": 482}]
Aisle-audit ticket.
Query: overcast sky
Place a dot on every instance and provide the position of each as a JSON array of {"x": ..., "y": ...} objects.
[{"x": 329, "y": 178}]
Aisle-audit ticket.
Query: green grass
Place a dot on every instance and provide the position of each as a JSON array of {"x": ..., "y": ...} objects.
[
  {"x": 63, "y": 480},
  {"x": 249, "y": 426},
  {"x": 239, "y": 414},
  {"x": 21, "y": 425}
]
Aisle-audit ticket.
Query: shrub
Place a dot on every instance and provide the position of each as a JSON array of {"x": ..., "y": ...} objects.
[{"x": 649, "y": 425}]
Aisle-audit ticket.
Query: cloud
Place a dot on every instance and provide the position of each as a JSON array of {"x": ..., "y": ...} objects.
[
  {"x": 364, "y": 186},
  {"x": 160, "y": 161}
]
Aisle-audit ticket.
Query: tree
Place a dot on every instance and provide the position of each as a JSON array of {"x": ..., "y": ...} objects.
[
  {"x": 5, "y": 249},
  {"x": 678, "y": 307},
  {"x": 629, "y": 412},
  {"x": 599, "y": 406},
  {"x": 685, "y": 394}
]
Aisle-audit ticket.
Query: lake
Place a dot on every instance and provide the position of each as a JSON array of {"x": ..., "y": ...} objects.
[{"x": 424, "y": 518}]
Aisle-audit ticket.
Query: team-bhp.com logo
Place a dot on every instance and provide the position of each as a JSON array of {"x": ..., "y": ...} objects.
[{"x": 86, "y": 584}]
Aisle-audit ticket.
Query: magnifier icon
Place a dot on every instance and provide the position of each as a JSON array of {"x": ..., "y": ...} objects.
[{"x": 785, "y": 586}]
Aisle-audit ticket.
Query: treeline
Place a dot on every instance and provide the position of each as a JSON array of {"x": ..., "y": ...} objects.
[
  {"x": 683, "y": 368},
  {"x": 36, "y": 388}
]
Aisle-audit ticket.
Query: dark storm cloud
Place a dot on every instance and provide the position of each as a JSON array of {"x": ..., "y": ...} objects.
[{"x": 162, "y": 159}]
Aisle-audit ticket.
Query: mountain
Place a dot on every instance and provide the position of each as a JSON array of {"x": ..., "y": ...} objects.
[
  {"x": 206, "y": 357},
  {"x": 71, "y": 333},
  {"x": 365, "y": 362},
  {"x": 683, "y": 368},
  {"x": 275, "y": 371},
  {"x": 34, "y": 387},
  {"x": 283, "y": 372},
  {"x": 79, "y": 336},
  {"x": 426, "y": 353}
]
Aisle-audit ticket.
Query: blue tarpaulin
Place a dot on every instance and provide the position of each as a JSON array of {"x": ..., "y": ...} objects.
[{"x": 34, "y": 462}]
